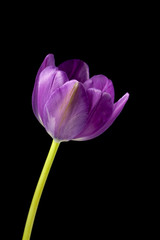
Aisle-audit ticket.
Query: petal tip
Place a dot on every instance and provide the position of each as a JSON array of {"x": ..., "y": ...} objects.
[
  {"x": 49, "y": 60},
  {"x": 125, "y": 97}
]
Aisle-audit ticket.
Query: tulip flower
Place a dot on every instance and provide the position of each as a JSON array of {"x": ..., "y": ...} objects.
[{"x": 71, "y": 106}]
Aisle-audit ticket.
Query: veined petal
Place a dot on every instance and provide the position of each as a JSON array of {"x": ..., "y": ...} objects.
[
  {"x": 97, "y": 81},
  {"x": 48, "y": 61},
  {"x": 66, "y": 111},
  {"x": 99, "y": 115},
  {"x": 118, "y": 106},
  {"x": 49, "y": 79},
  {"x": 102, "y": 83},
  {"x": 94, "y": 96},
  {"x": 109, "y": 88},
  {"x": 75, "y": 69}
]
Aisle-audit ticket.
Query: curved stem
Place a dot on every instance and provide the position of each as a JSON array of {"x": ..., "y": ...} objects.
[{"x": 39, "y": 190}]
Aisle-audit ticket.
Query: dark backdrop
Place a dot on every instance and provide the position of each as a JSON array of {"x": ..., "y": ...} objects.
[{"x": 94, "y": 187}]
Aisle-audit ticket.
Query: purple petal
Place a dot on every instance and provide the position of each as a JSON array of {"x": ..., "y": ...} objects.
[
  {"x": 102, "y": 83},
  {"x": 97, "y": 81},
  {"x": 118, "y": 106},
  {"x": 49, "y": 80},
  {"x": 48, "y": 61},
  {"x": 75, "y": 69},
  {"x": 94, "y": 96},
  {"x": 99, "y": 115},
  {"x": 65, "y": 113},
  {"x": 109, "y": 88}
]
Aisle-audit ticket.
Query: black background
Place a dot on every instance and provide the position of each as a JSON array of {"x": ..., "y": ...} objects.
[{"x": 95, "y": 188}]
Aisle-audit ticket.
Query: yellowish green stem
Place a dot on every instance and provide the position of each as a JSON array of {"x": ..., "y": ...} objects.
[{"x": 39, "y": 190}]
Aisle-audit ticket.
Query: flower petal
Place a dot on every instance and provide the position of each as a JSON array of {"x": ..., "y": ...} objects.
[
  {"x": 109, "y": 88},
  {"x": 97, "y": 81},
  {"x": 75, "y": 69},
  {"x": 99, "y": 115},
  {"x": 48, "y": 61},
  {"x": 49, "y": 80},
  {"x": 65, "y": 113},
  {"x": 94, "y": 96},
  {"x": 118, "y": 106},
  {"x": 102, "y": 83}
]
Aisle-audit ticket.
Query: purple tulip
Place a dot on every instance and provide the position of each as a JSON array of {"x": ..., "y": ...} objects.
[{"x": 72, "y": 106}]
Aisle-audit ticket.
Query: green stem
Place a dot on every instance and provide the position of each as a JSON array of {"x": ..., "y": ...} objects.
[{"x": 39, "y": 190}]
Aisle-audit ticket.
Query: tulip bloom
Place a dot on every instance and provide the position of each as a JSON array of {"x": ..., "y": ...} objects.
[{"x": 70, "y": 104}]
